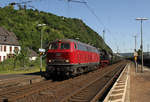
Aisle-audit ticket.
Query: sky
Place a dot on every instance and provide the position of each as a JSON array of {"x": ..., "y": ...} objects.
[{"x": 116, "y": 17}]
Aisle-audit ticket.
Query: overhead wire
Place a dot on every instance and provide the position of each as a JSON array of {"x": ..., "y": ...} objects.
[
  {"x": 93, "y": 13},
  {"x": 99, "y": 20},
  {"x": 88, "y": 7}
]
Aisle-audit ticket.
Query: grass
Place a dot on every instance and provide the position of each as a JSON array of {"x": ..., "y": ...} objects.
[
  {"x": 7, "y": 67},
  {"x": 37, "y": 69}
]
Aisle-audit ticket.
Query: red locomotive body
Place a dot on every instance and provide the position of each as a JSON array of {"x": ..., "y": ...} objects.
[{"x": 71, "y": 57}]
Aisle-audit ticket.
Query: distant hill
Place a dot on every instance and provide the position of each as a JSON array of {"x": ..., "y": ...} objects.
[
  {"x": 145, "y": 54},
  {"x": 126, "y": 54},
  {"x": 23, "y": 23}
]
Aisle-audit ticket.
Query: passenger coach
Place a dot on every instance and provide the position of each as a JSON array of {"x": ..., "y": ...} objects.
[{"x": 70, "y": 57}]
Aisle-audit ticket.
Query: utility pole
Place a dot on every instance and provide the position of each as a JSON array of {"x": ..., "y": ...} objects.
[
  {"x": 147, "y": 49},
  {"x": 103, "y": 44},
  {"x": 104, "y": 35},
  {"x": 141, "y": 19},
  {"x": 135, "y": 41},
  {"x": 41, "y": 49},
  {"x": 117, "y": 50}
]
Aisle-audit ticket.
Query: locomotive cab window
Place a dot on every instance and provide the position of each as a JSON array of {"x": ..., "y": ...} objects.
[
  {"x": 65, "y": 46},
  {"x": 75, "y": 46},
  {"x": 53, "y": 46}
]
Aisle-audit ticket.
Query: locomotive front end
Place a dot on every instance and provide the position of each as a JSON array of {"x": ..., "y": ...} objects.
[{"x": 58, "y": 57}]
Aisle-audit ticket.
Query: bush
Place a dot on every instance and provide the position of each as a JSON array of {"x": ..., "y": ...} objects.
[{"x": 8, "y": 64}]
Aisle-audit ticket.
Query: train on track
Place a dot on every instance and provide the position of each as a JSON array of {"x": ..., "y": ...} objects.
[{"x": 70, "y": 57}]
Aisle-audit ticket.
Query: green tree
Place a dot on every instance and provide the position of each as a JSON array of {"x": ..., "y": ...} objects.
[
  {"x": 23, "y": 56},
  {"x": 23, "y": 23}
]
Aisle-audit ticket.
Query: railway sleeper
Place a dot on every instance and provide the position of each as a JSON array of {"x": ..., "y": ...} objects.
[
  {"x": 78, "y": 100},
  {"x": 85, "y": 97},
  {"x": 88, "y": 93}
]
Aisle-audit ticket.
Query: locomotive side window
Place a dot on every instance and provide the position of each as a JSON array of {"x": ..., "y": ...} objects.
[
  {"x": 75, "y": 46},
  {"x": 65, "y": 46},
  {"x": 53, "y": 46},
  {"x": 79, "y": 47}
]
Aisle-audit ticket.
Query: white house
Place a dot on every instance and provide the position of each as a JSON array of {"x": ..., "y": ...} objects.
[{"x": 9, "y": 44}]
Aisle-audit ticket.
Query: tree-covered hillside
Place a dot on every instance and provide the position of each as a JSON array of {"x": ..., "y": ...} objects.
[{"x": 23, "y": 23}]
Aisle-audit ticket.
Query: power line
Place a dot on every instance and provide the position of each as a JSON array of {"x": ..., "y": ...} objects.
[
  {"x": 24, "y": 2},
  {"x": 99, "y": 20},
  {"x": 76, "y": 1},
  {"x": 92, "y": 11}
]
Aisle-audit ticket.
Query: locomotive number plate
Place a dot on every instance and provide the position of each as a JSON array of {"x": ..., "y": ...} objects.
[{"x": 58, "y": 54}]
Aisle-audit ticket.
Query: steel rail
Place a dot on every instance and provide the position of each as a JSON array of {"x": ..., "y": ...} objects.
[
  {"x": 101, "y": 92},
  {"x": 75, "y": 96},
  {"x": 30, "y": 90}
]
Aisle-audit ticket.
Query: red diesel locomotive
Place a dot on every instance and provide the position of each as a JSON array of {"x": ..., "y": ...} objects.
[{"x": 70, "y": 57}]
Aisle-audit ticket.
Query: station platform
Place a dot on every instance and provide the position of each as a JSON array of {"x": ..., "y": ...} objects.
[
  {"x": 131, "y": 86},
  {"x": 139, "y": 84}
]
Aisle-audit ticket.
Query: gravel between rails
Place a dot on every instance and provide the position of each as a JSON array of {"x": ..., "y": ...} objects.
[{"x": 19, "y": 81}]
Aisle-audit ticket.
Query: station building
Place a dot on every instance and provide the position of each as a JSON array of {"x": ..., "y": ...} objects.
[{"x": 9, "y": 45}]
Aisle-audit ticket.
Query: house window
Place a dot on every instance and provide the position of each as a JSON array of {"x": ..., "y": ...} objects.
[
  {"x": 3, "y": 58},
  {"x": 10, "y": 49},
  {"x": 5, "y": 39},
  {"x": 1, "y": 48},
  {"x": 16, "y": 49},
  {"x": 4, "y": 48}
]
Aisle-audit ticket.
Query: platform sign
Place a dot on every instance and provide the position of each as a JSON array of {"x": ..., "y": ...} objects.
[
  {"x": 41, "y": 50},
  {"x": 135, "y": 56},
  {"x": 135, "y": 59}
]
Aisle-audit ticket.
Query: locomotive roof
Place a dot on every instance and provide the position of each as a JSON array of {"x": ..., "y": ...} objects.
[{"x": 72, "y": 40}]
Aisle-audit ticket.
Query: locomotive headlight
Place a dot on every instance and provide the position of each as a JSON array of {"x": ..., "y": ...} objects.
[
  {"x": 66, "y": 60},
  {"x": 50, "y": 61}
]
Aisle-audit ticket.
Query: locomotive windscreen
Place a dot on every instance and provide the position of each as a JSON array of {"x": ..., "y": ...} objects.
[
  {"x": 53, "y": 46},
  {"x": 62, "y": 45},
  {"x": 65, "y": 46}
]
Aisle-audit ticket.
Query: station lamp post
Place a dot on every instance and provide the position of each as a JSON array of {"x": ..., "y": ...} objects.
[
  {"x": 141, "y": 19},
  {"x": 40, "y": 25}
]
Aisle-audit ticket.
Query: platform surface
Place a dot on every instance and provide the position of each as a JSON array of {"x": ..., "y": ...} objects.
[{"x": 139, "y": 89}]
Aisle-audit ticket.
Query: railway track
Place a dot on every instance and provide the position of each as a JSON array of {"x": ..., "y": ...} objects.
[
  {"x": 94, "y": 90},
  {"x": 19, "y": 81},
  {"x": 49, "y": 91}
]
